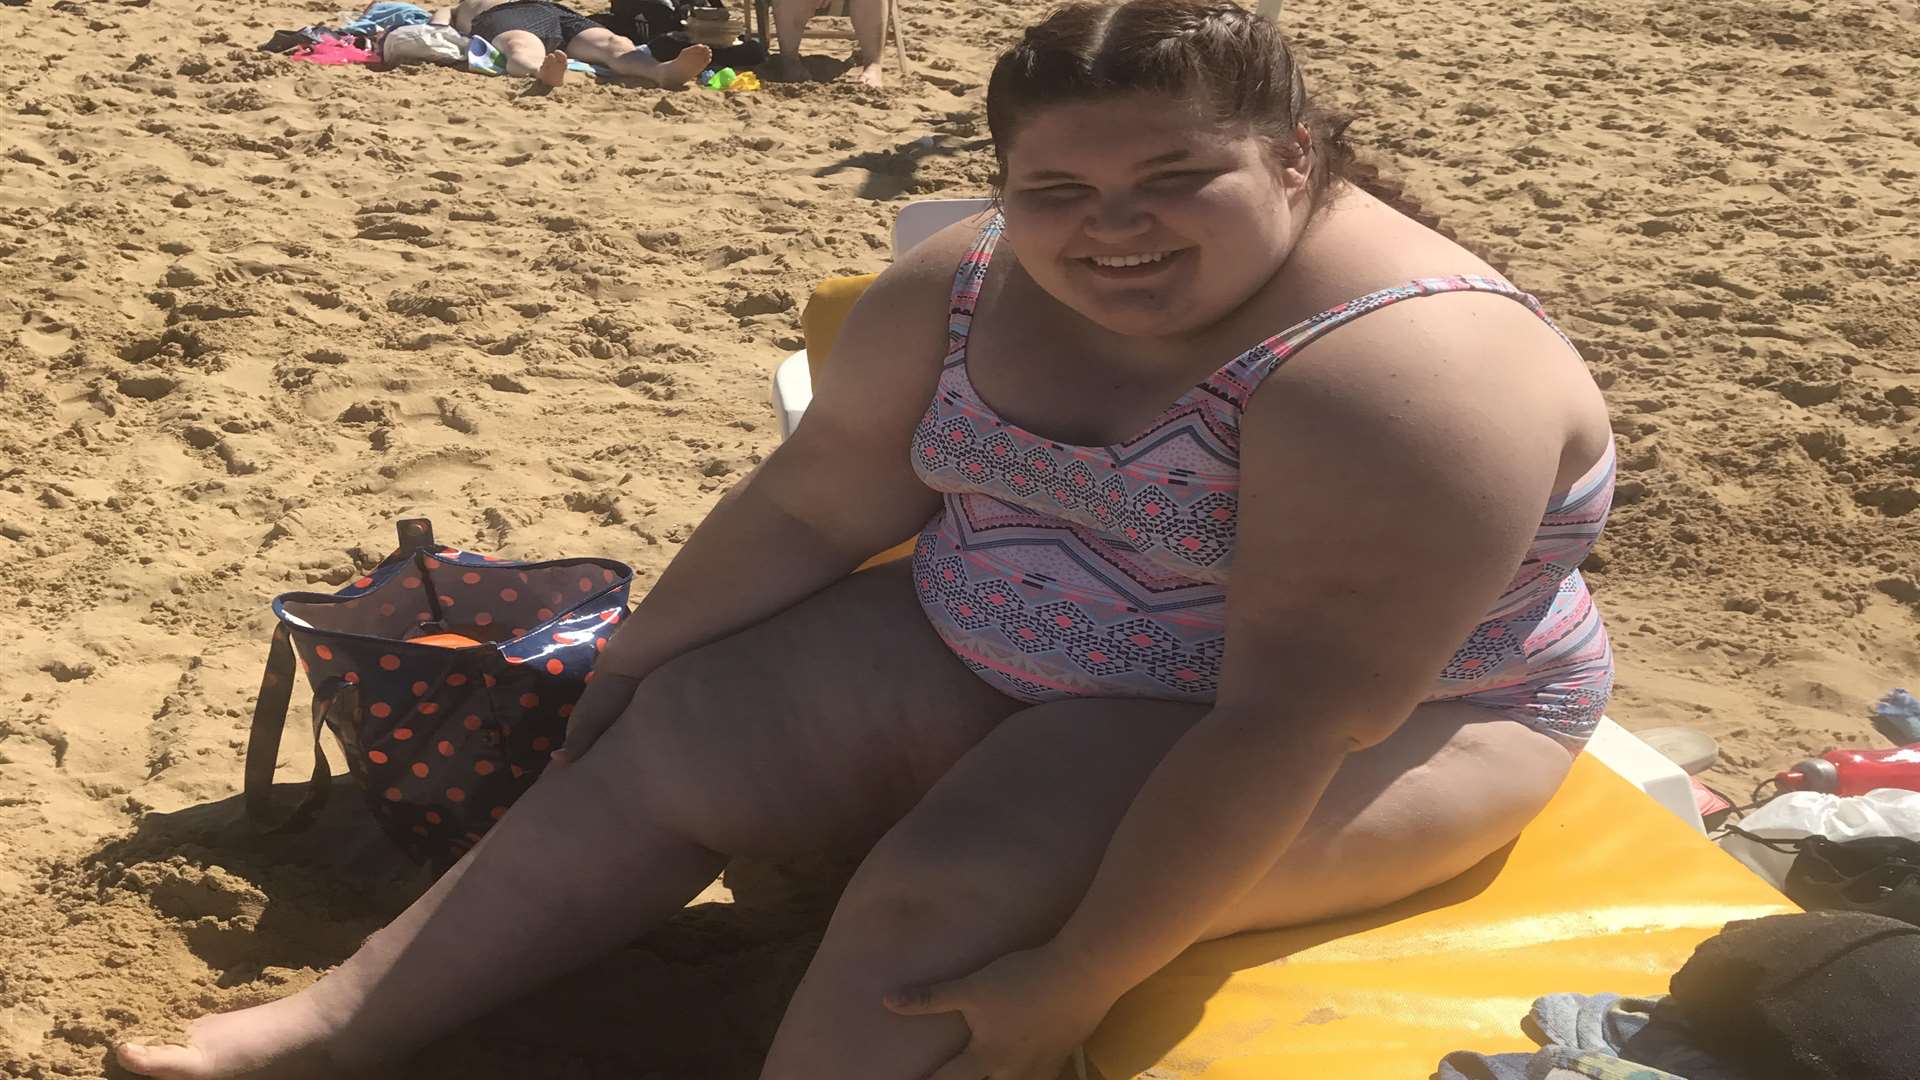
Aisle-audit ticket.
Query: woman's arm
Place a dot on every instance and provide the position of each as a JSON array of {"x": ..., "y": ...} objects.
[
  {"x": 1390, "y": 485},
  {"x": 837, "y": 492}
]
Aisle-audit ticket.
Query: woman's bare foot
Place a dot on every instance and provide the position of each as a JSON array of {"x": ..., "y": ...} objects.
[
  {"x": 681, "y": 70},
  {"x": 553, "y": 70},
  {"x": 288, "y": 1036},
  {"x": 869, "y": 75}
]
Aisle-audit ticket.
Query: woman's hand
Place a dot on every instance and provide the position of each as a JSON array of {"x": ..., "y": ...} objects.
[
  {"x": 606, "y": 697},
  {"x": 1027, "y": 1011},
  {"x": 617, "y": 672}
]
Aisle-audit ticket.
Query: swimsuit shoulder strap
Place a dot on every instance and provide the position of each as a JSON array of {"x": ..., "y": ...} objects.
[
  {"x": 1262, "y": 360},
  {"x": 968, "y": 279}
]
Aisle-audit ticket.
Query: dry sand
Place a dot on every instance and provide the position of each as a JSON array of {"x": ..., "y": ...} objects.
[{"x": 254, "y": 310}]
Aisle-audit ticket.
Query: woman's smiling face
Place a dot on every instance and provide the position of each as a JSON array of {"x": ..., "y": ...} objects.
[{"x": 1145, "y": 215}]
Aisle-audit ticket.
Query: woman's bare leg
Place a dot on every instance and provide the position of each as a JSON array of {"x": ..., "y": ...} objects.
[
  {"x": 813, "y": 731},
  {"x": 870, "y": 25},
  {"x": 602, "y": 46},
  {"x": 571, "y": 873},
  {"x": 790, "y": 19},
  {"x": 525, "y": 57},
  {"x": 999, "y": 853}
]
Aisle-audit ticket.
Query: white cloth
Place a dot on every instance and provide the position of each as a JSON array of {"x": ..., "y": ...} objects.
[{"x": 424, "y": 45}]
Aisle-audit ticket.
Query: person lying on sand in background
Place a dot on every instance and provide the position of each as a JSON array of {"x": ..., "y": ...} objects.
[
  {"x": 536, "y": 38},
  {"x": 790, "y": 18},
  {"x": 1244, "y": 596}
]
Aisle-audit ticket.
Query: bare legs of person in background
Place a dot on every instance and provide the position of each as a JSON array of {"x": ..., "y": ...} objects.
[
  {"x": 869, "y": 23},
  {"x": 789, "y": 25},
  {"x": 526, "y": 57}
]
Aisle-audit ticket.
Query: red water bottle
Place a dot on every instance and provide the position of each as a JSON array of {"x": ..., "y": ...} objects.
[{"x": 1855, "y": 772}]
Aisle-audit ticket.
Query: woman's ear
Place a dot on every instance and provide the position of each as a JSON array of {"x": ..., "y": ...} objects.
[
  {"x": 1300, "y": 163},
  {"x": 1296, "y": 161}
]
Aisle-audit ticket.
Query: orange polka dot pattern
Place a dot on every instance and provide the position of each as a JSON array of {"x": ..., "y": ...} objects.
[{"x": 447, "y": 738}]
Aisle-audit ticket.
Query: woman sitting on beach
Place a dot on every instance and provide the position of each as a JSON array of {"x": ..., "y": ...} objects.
[{"x": 1305, "y": 641}]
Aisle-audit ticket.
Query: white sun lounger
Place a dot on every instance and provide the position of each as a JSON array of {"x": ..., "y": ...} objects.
[{"x": 792, "y": 382}]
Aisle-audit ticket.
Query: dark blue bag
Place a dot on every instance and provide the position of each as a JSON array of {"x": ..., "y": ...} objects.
[{"x": 447, "y": 677}]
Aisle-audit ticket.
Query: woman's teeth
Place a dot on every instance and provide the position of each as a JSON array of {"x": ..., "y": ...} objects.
[{"x": 1116, "y": 262}]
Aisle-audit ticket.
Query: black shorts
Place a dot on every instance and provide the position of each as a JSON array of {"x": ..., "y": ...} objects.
[{"x": 554, "y": 25}]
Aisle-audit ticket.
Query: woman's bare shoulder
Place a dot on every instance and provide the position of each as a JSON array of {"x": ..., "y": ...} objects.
[
  {"x": 894, "y": 338},
  {"x": 933, "y": 261},
  {"x": 910, "y": 297},
  {"x": 1475, "y": 368},
  {"x": 1361, "y": 244}
]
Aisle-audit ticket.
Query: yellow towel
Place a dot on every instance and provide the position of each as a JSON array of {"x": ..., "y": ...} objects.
[
  {"x": 1604, "y": 891},
  {"x": 820, "y": 321}
]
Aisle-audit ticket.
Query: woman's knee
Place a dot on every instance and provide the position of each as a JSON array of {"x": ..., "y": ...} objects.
[
  {"x": 643, "y": 760},
  {"x": 942, "y": 874},
  {"x": 1404, "y": 817},
  {"x": 891, "y": 913},
  {"x": 520, "y": 48},
  {"x": 701, "y": 752},
  {"x": 662, "y": 691}
]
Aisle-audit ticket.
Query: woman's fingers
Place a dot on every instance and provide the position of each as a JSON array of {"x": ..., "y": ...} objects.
[{"x": 606, "y": 697}]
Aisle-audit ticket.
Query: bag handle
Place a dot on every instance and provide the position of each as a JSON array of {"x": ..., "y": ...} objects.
[
  {"x": 263, "y": 744},
  {"x": 415, "y": 535},
  {"x": 276, "y": 695},
  {"x": 1785, "y": 845}
]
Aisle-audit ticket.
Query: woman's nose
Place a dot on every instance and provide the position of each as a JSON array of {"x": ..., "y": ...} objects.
[{"x": 1116, "y": 219}]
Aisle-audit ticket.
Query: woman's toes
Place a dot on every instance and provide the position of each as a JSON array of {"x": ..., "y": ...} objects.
[
  {"x": 680, "y": 70},
  {"x": 163, "y": 1060}
]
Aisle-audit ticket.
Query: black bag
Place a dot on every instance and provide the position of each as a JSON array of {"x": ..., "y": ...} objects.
[
  {"x": 447, "y": 677},
  {"x": 1879, "y": 874},
  {"x": 641, "y": 20},
  {"x": 1824, "y": 995}
]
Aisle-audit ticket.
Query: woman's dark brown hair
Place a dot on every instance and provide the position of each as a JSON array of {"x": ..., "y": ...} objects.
[{"x": 1212, "y": 51}]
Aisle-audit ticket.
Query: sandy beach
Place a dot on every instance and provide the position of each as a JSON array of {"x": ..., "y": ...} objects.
[{"x": 256, "y": 310}]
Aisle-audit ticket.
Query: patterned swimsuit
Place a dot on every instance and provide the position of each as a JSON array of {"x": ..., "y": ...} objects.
[{"x": 1058, "y": 571}]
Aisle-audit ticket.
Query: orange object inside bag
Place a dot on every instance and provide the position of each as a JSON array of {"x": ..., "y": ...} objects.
[{"x": 445, "y": 641}]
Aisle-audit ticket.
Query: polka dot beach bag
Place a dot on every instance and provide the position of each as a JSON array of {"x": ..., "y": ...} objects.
[{"x": 447, "y": 678}]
